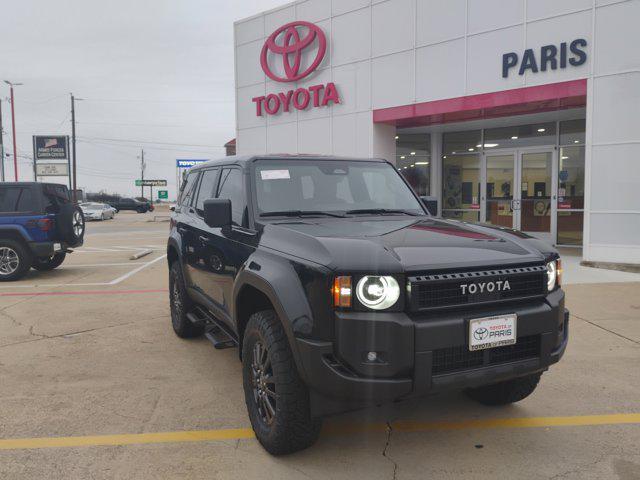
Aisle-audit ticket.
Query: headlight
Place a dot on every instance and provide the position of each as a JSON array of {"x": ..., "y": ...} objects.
[
  {"x": 553, "y": 274},
  {"x": 378, "y": 292}
]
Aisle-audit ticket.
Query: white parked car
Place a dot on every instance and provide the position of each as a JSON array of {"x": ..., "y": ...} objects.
[{"x": 97, "y": 211}]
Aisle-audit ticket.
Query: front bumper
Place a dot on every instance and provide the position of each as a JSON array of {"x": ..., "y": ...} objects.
[{"x": 423, "y": 353}]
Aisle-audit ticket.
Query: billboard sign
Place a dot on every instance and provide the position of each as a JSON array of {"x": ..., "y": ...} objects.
[
  {"x": 186, "y": 163},
  {"x": 50, "y": 147},
  {"x": 52, "y": 169},
  {"x": 151, "y": 183}
]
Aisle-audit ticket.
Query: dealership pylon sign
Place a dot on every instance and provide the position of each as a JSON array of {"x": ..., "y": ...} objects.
[{"x": 293, "y": 52}]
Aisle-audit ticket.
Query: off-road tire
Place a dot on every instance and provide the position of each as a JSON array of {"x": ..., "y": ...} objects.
[
  {"x": 291, "y": 428},
  {"x": 49, "y": 263},
  {"x": 68, "y": 218},
  {"x": 23, "y": 256},
  {"x": 503, "y": 393},
  {"x": 180, "y": 305}
]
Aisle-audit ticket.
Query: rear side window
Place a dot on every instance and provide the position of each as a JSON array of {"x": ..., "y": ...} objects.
[
  {"x": 207, "y": 188},
  {"x": 54, "y": 196},
  {"x": 187, "y": 189},
  {"x": 232, "y": 187},
  {"x": 16, "y": 199}
]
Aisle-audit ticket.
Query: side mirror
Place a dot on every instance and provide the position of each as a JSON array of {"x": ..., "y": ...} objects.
[
  {"x": 217, "y": 212},
  {"x": 172, "y": 208},
  {"x": 431, "y": 204}
]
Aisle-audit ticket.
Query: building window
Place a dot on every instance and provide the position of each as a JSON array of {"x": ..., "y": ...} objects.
[
  {"x": 520, "y": 136},
  {"x": 456, "y": 143},
  {"x": 413, "y": 160},
  {"x": 461, "y": 187},
  {"x": 570, "y": 194},
  {"x": 572, "y": 132}
]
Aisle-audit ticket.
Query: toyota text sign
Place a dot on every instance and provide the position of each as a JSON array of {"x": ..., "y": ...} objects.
[{"x": 293, "y": 52}]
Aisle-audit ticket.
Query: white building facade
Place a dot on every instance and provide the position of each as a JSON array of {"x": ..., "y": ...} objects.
[{"x": 520, "y": 113}]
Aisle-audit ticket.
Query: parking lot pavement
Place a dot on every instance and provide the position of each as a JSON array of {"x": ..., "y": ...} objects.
[{"x": 94, "y": 384}]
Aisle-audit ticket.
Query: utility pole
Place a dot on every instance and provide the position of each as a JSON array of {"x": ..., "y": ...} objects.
[
  {"x": 73, "y": 144},
  {"x": 142, "y": 167},
  {"x": 13, "y": 128},
  {"x": 1, "y": 144}
]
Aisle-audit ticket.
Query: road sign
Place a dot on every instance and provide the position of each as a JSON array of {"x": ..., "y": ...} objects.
[
  {"x": 151, "y": 183},
  {"x": 52, "y": 169},
  {"x": 163, "y": 194},
  {"x": 184, "y": 163},
  {"x": 50, "y": 147}
]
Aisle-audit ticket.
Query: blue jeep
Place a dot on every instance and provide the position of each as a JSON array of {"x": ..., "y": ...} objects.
[{"x": 39, "y": 224}]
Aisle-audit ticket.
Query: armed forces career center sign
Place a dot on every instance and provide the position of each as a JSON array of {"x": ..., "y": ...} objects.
[{"x": 50, "y": 147}]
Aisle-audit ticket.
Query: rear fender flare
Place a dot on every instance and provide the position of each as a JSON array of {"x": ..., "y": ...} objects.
[{"x": 17, "y": 232}]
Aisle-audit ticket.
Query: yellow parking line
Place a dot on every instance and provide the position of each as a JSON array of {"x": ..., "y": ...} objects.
[{"x": 244, "y": 433}]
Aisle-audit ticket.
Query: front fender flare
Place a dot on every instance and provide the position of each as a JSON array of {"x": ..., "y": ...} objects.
[{"x": 277, "y": 279}]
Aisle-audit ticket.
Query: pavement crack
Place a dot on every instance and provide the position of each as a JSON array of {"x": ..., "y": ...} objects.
[
  {"x": 386, "y": 447},
  {"x": 606, "y": 329},
  {"x": 40, "y": 336}
]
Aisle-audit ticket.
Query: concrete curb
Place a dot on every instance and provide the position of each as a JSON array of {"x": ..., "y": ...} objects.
[{"x": 141, "y": 254}]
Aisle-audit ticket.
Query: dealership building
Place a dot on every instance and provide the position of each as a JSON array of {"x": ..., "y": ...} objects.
[{"x": 519, "y": 113}]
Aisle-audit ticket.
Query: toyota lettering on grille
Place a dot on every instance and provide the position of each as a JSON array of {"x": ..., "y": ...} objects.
[{"x": 482, "y": 287}]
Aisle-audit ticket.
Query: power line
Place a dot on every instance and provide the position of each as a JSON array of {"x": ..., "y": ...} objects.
[
  {"x": 129, "y": 140},
  {"x": 141, "y": 100}
]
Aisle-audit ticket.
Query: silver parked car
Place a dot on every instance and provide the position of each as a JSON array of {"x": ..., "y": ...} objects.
[{"x": 97, "y": 211}]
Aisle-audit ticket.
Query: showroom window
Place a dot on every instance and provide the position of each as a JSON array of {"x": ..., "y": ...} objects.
[
  {"x": 571, "y": 183},
  {"x": 461, "y": 176},
  {"x": 413, "y": 160}
]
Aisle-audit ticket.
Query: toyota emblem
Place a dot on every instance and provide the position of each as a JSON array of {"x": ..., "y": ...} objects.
[
  {"x": 288, "y": 43},
  {"x": 480, "y": 333}
]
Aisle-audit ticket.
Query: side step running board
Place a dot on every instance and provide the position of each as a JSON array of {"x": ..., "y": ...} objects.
[{"x": 215, "y": 332}]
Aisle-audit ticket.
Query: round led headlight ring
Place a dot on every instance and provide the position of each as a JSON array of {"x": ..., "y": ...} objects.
[{"x": 378, "y": 292}]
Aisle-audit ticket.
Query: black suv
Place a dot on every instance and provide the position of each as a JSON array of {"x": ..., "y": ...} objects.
[
  {"x": 341, "y": 291},
  {"x": 132, "y": 204},
  {"x": 38, "y": 226}
]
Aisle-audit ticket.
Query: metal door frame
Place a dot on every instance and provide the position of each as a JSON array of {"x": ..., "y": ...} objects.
[{"x": 517, "y": 184}]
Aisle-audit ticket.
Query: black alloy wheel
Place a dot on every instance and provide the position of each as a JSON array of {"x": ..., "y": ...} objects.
[{"x": 264, "y": 387}]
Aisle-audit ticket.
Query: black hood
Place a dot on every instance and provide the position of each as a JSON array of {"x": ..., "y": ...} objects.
[{"x": 400, "y": 244}]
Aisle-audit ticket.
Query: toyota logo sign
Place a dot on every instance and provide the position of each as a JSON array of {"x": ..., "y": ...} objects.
[
  {"x": 291, "y": 53},
  {"x": 287, "y": 44}
]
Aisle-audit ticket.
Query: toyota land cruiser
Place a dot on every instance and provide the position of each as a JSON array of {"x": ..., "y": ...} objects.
[{"x": 342, "y": 291}]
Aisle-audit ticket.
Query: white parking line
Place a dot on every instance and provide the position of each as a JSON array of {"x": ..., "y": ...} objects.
[{"x": 117, "y": 280}]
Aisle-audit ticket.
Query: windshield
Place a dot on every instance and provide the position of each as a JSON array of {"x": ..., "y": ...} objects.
[{"x": 331, "y": 186}]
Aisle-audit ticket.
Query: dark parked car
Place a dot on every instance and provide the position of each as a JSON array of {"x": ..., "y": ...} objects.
[
  {"x": 39, "y": 225},
  {"x": 341, "y": 291},
  {"x": 132, "y": 204}
]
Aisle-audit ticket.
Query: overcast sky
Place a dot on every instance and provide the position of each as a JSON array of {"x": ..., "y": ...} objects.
[{"x": 153, "y": 74}]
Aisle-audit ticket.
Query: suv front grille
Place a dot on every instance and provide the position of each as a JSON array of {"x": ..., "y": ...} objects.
[
  {"x": 459, "y": 358},
  {"x": 469, "y": 288}
]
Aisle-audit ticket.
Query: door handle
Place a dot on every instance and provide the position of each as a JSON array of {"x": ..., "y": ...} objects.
[
  {"x": 182, "y": 230},
  {"x": 203, "y": 239}
]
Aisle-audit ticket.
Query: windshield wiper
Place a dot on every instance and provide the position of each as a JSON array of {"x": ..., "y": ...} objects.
[
  {"x": 375, "y": 211},
  {"x": 300, "y": 213}
]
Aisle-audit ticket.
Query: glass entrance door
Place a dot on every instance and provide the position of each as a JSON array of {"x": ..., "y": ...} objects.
[
  {"x": 518, "y": 191},
  {"x": 536, "y": 194},
  {"x": 499, "y": 189}
]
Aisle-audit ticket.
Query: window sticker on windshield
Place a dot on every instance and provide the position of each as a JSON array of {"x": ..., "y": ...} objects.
[{"x": 274, "y": 174}]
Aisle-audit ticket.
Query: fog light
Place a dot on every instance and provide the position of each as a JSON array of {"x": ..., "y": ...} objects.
[{"x": 372, "y": 356}]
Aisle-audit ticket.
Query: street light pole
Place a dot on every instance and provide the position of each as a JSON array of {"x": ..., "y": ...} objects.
[
  {"x": 13, "y": 128},
  {"x": 1, "y": 145},
  {"x": 142, "y": 167},
  {"x": 73, "y": 144}
]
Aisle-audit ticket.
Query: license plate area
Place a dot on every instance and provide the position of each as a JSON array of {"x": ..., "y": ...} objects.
[{"x": 491, "y": 332}]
